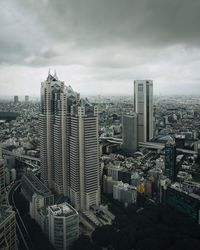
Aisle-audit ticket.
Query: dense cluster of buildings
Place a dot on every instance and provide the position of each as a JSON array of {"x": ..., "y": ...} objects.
[
  {"x": 8, "y": 237},
  {"x": 119, "y": 148}
]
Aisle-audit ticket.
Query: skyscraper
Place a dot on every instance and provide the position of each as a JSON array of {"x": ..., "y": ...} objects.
[
  {"x": 84, "y": 156},
  {"x": 170, "y": 160},
  {"x": 53, "y": 130},
  {"x": 129, "y": 133},
  {"x": 143, "y": 106},
  {"x": 69, "y": 144}
]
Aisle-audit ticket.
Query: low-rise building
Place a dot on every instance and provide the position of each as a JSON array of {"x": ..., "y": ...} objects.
[
  {"x": 36, "y": 193},
  {"x": 63, "y": 225}
]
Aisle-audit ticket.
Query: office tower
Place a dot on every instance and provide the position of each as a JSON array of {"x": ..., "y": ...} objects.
[
  {"x": 63, "y": 225},
  {"x": 26, "y": 98},
  {"x": 2, "y": 178},
  {"x": 129, "y": 133},
  {"x": 84, "y": 156},
  {"x": 53, "y": 129},
  {"x": 170, "y": 160},
  {"x": 8, "y": 238},
  {"x": 16, "y": 99},
  {"x": 143, "y": 106}
]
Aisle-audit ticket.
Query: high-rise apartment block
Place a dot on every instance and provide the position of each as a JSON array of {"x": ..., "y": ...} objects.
[
  {"x": 69, "y": 144},
  {"x": 170, "y": 160},
  {"x": 84, "y": 156},
  {"x": 53, "y": 129},
  {"x": 8, "y": 238},
  {"x": 129, "y": 133},
  {"x": 63, "y": 225},
  {"x": 143, "y": 106}
]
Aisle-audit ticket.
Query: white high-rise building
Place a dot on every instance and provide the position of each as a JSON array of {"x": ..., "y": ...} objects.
[
  {"x": 84, "y": 156},
  {"x": 69, "y": 144},
  {"x": 143, "y": 106},
  {"x": 53, "y": 130},
  {"x": 63, "y": 221}
]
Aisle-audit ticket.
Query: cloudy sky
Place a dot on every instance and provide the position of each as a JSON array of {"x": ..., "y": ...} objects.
[{"x": 100, "y": 46}]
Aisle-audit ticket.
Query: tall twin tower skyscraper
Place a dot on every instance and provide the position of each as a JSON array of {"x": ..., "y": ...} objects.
[{"x": 69, "y": 144}]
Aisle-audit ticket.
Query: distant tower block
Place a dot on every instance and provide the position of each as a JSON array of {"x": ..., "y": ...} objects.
[
  {"x": 26, "y": 98},
  {"x": 129, "y": 133},
  {"x": 143, "y": 106},
  {"x": 170, "y": 160},
  {"x": 16, "y": 99}
]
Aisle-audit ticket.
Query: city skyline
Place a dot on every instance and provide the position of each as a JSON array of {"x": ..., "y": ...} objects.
[
  {"x": 90, "y": 157},
  {"x": 99, "y": 124},
  {"x": 95, "y": 50}
]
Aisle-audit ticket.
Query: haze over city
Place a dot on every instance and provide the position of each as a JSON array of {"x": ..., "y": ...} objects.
[{"x": 100, "y": 47}]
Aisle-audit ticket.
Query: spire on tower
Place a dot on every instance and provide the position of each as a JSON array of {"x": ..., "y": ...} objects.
[{"x": 55, "y": 75}]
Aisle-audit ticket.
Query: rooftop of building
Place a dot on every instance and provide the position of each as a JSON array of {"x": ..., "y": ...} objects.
[
  {"x": 124, "y": 186},
  {"x": 114, "y": 164},
  {"x": 62, "y": 210},
  {"x": 189, "y": 188},
  {"x": 179, "y": 136},
  {"x": 132, "y": 115},
  {"x": 36, "y": 183}
]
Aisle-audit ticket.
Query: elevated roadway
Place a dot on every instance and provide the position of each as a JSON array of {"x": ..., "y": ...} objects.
[{"x": 149, "y": 145}]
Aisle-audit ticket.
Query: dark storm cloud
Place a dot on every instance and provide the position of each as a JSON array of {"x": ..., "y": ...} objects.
[
  {"x": 36, "y": 25},
  {"x": 93, "y": 22},
  {"x": 102, "y": 40}
]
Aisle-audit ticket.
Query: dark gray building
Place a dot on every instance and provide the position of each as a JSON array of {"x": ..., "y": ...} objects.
[
  {"x": 129, "y": 133},
  {"x": 170, "y": 160},
  {"x": 16, "y": 99}
]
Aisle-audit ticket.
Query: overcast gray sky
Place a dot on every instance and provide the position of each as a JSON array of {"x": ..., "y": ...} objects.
[{"x": 100, "y": 46}]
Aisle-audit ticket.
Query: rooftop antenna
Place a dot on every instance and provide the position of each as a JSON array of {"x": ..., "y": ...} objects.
[
  {"x": 55, "y": 75},
  {"x": 49, "y": 72}
]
